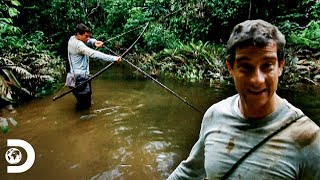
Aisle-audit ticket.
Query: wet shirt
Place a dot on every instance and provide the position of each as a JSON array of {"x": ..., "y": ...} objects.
[
  {"x": 226, "y": 136},
  {"x": 79, "y": 54}
]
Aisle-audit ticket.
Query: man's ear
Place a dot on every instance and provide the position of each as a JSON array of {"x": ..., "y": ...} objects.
[
  {"x": 230, "y": 68},
  {"x": 281, "y": 65}
]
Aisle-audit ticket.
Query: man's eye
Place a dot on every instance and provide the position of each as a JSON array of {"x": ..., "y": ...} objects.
[
  {"x": 267, "y": 66},
  {"x": 244, "y": 67}
]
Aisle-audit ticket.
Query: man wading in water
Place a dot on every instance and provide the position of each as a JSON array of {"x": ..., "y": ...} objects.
[
  {"x": 78, "y": 55},
  {"x": 288, "y": 141}
]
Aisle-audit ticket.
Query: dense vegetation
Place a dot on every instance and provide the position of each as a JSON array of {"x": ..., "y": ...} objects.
[{"x": 185, "y": 38}]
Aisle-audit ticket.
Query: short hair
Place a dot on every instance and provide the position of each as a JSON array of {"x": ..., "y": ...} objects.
[
  {"x": 81, "y": 29},
  {"x": 254, "y": 33}
]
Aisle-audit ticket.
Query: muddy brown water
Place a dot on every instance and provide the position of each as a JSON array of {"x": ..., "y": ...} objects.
[{"x": 134, "y": 130}]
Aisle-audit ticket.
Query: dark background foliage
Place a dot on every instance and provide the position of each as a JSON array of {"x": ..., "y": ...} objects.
[{"x": 171, "y": 21}]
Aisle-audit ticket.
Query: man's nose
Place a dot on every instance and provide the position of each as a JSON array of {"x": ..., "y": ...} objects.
[{"x": 257, "y": 77}]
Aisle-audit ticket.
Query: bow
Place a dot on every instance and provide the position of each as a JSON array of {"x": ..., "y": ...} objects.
[{"x": 103, "y": 69}]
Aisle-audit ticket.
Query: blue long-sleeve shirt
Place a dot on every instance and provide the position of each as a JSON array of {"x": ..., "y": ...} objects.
[{"x": 79, "y": 54}]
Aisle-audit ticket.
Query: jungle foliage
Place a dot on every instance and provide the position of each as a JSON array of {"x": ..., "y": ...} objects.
[
  {"x": 184, "y": 37},
  {"x": 171, "y": 21},
  {"x": 27, "y": 67}
]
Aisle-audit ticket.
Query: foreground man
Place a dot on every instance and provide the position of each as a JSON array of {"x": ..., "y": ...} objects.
[
  {"x": 232, "y": 127},
  {"x": 78, "y": 54}
]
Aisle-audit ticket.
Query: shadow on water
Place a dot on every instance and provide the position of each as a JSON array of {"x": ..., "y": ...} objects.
[{"x": 134, "y": 130}]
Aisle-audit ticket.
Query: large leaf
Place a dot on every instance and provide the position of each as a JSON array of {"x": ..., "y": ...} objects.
[
  {"x": 5, "y": 90},
  {"x": 11, "y": 78}
]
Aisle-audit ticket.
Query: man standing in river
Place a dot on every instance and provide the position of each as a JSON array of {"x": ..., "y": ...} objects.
[
  {"x": 78, "y": 55},
  {"x": 283, "y": 142}
]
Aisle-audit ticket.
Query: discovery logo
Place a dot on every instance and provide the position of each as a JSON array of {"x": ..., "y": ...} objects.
[{"x": 14, "y": 156}]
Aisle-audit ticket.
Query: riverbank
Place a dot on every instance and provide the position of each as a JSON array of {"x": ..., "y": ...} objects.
[
  {"x": 28, "y": 74},
  {"x": 25, "y": 76},
  {"x": 206, "y": 63}
]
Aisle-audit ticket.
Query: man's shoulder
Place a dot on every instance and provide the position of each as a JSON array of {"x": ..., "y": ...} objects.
[
  {"x": 74, "y": 44},
  {"x": 306, "y": 137},
  {"x": 72, "y": 38},
  {"x": 224, "y": 105},
  {"x": 227, "y": 101},
  {"x": 73, "y": 41},
  {"x": 304, "y": 132}
]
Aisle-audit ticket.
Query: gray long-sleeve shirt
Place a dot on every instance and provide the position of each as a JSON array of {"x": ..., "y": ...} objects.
[
  {"x": 225, "y": 136},
  {"x": 79, "y": 54}
]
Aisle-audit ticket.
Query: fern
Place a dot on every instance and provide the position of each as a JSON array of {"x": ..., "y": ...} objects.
[
  {"x": 307, "y": 38},
  {"x": 193, "y": 61}
]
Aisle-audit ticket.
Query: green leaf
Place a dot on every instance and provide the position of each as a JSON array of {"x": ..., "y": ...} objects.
[
  {"x": 15, "y": 2},
  {"x": 13, "y": 12},
  {"x": 5, "y": 21},
  {"x": 4, "y": 125}
]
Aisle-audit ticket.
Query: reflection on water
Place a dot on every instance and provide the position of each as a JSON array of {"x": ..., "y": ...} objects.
[{"x": 134, "y": 130}]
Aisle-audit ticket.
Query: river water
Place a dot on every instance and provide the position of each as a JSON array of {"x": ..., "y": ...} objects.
[{"x": 134, "y": 130}]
